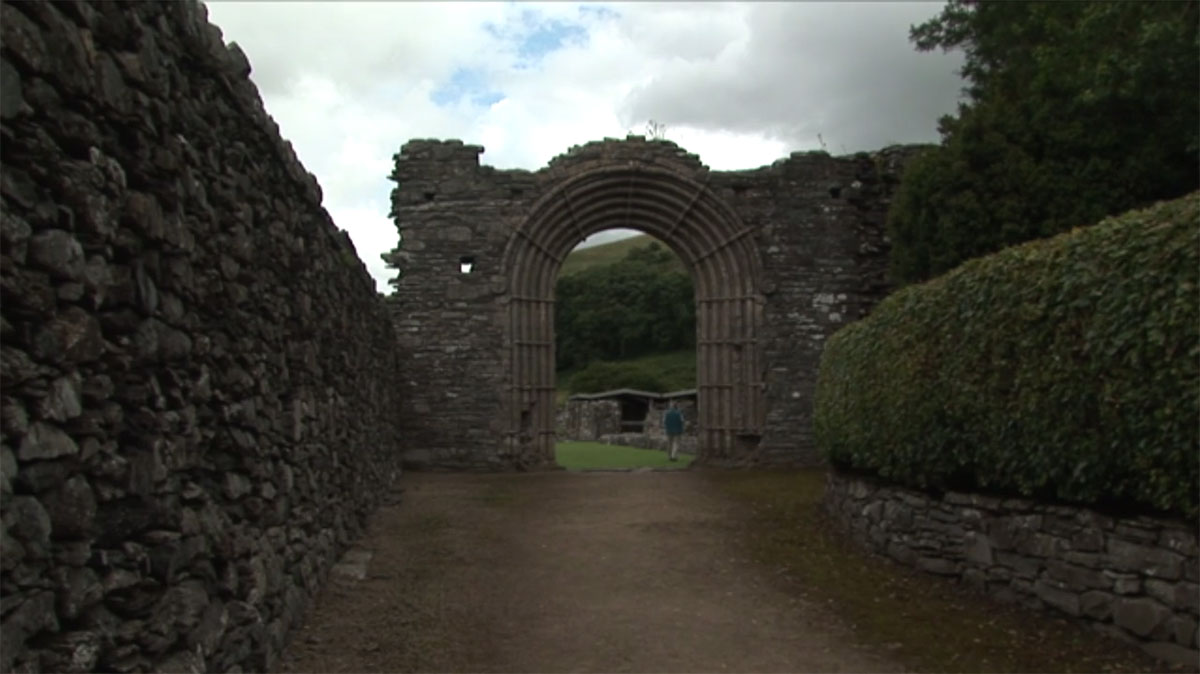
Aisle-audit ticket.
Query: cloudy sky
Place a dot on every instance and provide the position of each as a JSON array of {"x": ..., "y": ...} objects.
[{"x": 740, "y": 84}]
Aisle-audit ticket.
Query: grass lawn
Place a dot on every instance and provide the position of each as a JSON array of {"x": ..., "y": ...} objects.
[{"x": 591, "y": 455}]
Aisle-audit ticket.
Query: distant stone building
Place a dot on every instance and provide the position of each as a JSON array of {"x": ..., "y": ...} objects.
[{"x": 627, "y": 417}]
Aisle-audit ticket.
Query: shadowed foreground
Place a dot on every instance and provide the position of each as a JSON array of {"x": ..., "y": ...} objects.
[
  {"x": 684, "y": 571},
  {"x": 632, "y": 572}
]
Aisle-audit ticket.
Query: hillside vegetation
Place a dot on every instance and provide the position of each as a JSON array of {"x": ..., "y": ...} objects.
[
  {"x": 1064, "y": 368},
  {"x": 657, "y": 372},
  {"x": 640, "y": 305}
]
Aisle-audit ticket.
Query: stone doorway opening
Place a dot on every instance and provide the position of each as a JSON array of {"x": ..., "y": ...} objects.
[
  {"x": 625, "y": 319},
  {"x": 718, "y": 252}
]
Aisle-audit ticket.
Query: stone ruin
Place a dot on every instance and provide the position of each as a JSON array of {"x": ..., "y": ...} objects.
[
  {"x": 610, "y": 419},
  {"x": 781, "y": 257}
]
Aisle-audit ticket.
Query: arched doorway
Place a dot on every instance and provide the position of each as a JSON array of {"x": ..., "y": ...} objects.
[
  {"x": 781, "y": 257},
  {"x": 716, "y": 248}
]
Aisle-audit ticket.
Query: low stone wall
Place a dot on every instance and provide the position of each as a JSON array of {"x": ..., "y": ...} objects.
[
  {"x": 198, "y": 404},
  {"x": 1135, "y": 578},
  {"x": 587, "y": 420},
  {"x": 596, "y": 420},
  {"x": 687, "y": 443}
]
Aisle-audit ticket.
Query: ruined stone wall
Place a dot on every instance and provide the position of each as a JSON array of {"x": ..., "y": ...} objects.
[
  {"x": 817, "y": 222},
  {"x": 821, "y": 224},
  {"x": 600, "y": 421},
  {"x": 1134, "y": 578},
  {"x": 448, "y": 322},
  {"x": 587, "y": 420},
  {"x": 195, "y": 368}
]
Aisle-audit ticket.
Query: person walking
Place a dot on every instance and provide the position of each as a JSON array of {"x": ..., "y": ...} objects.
[{"x": 673, "y": 425}]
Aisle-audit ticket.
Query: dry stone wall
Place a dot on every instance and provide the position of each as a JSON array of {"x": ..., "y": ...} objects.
[
  {"x": 195, "y": 368},
  {"x": 1135, "y": 578}
]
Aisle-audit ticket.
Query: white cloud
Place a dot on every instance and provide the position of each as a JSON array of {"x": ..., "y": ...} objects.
[{"x": 738, "y": 84}]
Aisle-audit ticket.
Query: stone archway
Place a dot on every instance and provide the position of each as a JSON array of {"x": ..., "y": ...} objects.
[
  {"x": 715, "y": 247},
  {"x": 782, "y": 256}
]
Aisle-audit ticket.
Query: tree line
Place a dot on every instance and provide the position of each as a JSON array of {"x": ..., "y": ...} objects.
[
  {"x": 639, "y": 305},
  {"x": 1073, "y": 111}
]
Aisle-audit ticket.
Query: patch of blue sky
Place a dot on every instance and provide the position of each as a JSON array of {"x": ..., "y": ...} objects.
[
  {"x": 466, "y": 83},
  {"x": 548, "y": 37},
  {"x": 599, "y": 12},
  {"x": 534, "y": 35}
]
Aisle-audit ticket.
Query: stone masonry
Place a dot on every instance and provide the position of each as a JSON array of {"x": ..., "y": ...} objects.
[
  {"x": 783, "y": 255},
  {"x": 197, "y": 407},
  {"x": 600, "y": 421},
  {"x": 1135, "y": 578},
  {"x": 588, "y": 420}
]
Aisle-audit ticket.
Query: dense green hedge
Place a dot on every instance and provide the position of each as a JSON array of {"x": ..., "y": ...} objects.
[{"x": 1065, "y": 368}]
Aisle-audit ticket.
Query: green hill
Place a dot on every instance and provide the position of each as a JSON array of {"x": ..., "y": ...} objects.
[
  {"x": 676, "y": 369},
  {"x": 605, "y": 253},
  {"x": 673, "y": 369}
]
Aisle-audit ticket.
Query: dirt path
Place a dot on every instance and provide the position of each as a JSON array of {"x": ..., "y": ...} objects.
[{"x": 558, "y": 572}]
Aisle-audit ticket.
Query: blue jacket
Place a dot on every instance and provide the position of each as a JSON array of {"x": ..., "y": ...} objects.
[{"x": 673, "y": 422}]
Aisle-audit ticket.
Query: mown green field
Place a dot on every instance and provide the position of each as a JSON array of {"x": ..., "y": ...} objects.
[{"x": 596, "y": 455}]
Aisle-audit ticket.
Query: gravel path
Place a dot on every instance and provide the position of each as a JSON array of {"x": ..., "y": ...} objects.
[{"x": 565, "y": 572}]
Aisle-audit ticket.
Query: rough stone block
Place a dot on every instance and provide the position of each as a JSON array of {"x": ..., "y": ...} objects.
[
  {"x": 1136, "y": 531},
  {"x": 1040, "y": 545},
  {"x": 977, "y": 549},
  {"x": 901, "y": 553},
  {"x": 1172, "y": 653},
  {"x": 1096, "y": 605},
  {"x": 1057, "y": 596},
  {"x": 1087, "y": 540},
  {"x": 1182, "y": 541},
  {"x": 975, "y": 578},
  {"x": 1124, "y": 583},
  {"x": 72, "y": 509},
  {"x": 73, "y": 652},
  {"x": 1150, "y": 561},
  {"x": 938, "y": 565},
  {"x": 27, "y": 520},
  {"x": 1076, "y": 577},
  {"x": 57, "y": 252},
  {"x": 1006, "y": 532},
  {"x": 1142, "y": 616},
  {"x": 46, "y": 441},
  {"x": 1183, "y": 630},
  {"x": 1024, "y": 567}
]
